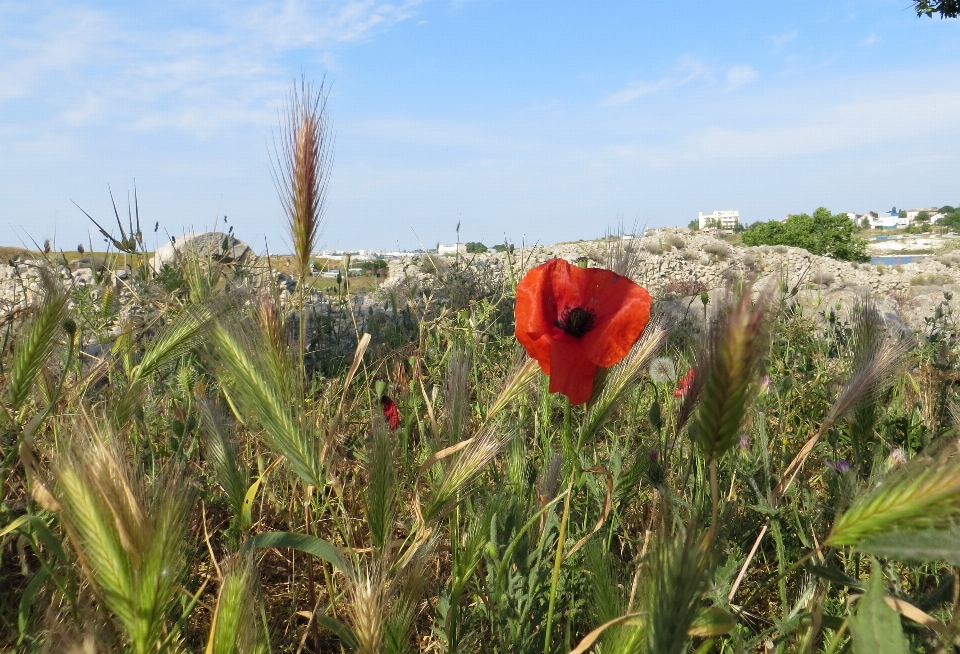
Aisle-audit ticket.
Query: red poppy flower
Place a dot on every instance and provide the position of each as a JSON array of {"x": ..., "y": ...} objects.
[
  {"x": 684, "y": 387},
  {"x": 390, "y": 412},
  {"x": 572, "y": 320}
]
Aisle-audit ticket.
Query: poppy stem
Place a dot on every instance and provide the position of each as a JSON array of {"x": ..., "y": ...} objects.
[{"x": 567, "y": 434}]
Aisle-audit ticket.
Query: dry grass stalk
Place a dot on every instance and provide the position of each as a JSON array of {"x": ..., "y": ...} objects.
[
  {"x": 875, "y": 361},
  {"x": 621, "y": 255},
  {"x": 302, "y": 169},
  {"x": 366, "y": 608},
  {"x": 622, "y": 377},
  {"x": 457, "y": 393},
  {"x": 130, "y": 535}
]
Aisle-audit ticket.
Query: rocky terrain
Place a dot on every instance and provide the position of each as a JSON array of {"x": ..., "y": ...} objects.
[{"x": 676, "y": 265}]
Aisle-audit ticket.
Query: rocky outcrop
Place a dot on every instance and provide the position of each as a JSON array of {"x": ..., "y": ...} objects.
[
  {"x": 676, "y": 265},
  {"x": 216, "y": 246}
]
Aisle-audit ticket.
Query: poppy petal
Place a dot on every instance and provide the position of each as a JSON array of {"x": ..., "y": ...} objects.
[
  {"x": 622, "y": 312},
  {"x": 573, "y": 373},
  {"x": 536, "y": 313}
]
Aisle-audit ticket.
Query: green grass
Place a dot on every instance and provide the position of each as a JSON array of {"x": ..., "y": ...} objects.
[{"x": 208, "y": 486}]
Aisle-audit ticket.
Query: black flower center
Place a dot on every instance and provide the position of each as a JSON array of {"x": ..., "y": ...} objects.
[{"x": 576, "y": 321}]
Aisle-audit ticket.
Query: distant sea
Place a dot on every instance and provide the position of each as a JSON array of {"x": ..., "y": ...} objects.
[{"x": 897, "y": 260}]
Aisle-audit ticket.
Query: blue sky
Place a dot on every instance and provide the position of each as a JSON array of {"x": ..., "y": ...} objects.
[{"x": 522, "y": 119}]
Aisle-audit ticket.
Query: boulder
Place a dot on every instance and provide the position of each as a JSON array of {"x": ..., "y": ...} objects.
[{"x": 216, "y": 246}]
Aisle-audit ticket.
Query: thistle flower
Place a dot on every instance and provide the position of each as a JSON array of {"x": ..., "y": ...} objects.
[{"x": 898, "y": 456}]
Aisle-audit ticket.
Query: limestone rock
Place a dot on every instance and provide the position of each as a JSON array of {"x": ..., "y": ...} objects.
[{"x": 224, "y": 248}]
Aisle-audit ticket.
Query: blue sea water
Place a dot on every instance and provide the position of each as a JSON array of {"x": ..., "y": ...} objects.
[{"x": 897, "y": 260}]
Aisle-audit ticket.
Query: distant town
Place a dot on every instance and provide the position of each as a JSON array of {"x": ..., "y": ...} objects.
[
  {"x": 721, "y": 220},
  {"x": 893, "y": 219}
]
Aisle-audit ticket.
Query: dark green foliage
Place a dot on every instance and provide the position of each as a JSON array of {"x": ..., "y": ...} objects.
[
  {"x": 951, "y": 218},
  {"x": 946, "y": 8},
  {"x": 824, "y": 233},
  {"x": 474, "y": 247}
]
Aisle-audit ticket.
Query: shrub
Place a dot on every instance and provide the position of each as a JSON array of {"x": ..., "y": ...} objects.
[
  {"x": 717, "y": 249},
  {"x": 822, "y": 277},
  {"x": 824, "y": 233},
  {"x": 653, "y": 247},
  {"x": 674, "y": 241},
  {"x": 684, "y": 287},
  {"x": 434, "y": 265},
  {"x": 930, "y": 279}
]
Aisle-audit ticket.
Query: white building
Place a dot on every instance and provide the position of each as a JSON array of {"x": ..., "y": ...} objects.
[
  {"x": 913, "y": 213},
  {"x": 459, "y": 248},
  {"x": 721, "y": 219},
  {"x": 890, "y": 220}
]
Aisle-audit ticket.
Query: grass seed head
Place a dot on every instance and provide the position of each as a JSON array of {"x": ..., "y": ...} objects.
[
  {"x": 728, "y": 372},
  {"x": 302, "y": 169}
]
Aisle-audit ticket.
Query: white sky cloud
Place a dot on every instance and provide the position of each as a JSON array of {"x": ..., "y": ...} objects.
[
  {"x": 688, "y": 70},
  {"x": 740, "y": 75},
  {"x": 783, "y": 39}
]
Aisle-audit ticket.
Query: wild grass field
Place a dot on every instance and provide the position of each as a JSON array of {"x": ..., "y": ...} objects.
[{"x": 767, "y": 479}]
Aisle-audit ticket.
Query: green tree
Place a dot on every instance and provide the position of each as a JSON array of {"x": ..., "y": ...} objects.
[
  {"x": 902, "y": 213},
  {"x": 923, "y": 217},
  {"x": 946, "y": 8},
  {"x": 694, "y": 225},
  {"x": 474, "y": 247},
  {"x": 823, "y": 233},
  {"x": 950, "y": 219}
]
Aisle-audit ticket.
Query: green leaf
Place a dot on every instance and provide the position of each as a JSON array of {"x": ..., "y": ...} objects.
[
  {"x": 764, "y": 509},
  {"x": 711, "y": 621},
  {"x": 340, "y": 630},
  {"x": 927, "y": 545},
  {"x": 26, "y": 600},
  {"x": 831, "y": 622},
  {"x": 833, "y": 575},
  {"x": 304, "y": 543},
  {"x": 45, "y": 536},
  {"x": 246, "y": 513},
  {"x": 876, "y": 628}
]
